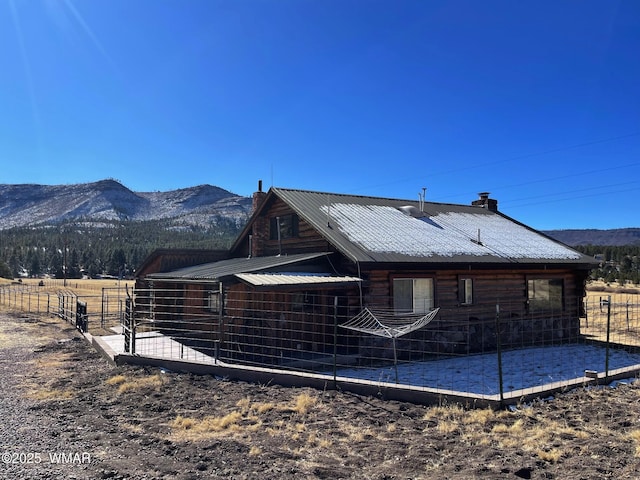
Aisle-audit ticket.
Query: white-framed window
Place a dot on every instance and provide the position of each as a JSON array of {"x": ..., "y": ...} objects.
[
  {"x": 213, "y": 301},
  {"x": 412, "y": 295},
  {"x": 545, "y": 294},
  {"x": 465, "y": 291}
]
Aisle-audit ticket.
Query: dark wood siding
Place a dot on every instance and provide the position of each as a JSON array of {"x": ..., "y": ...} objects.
[
  {"x": 308, "y": 239},
  {"x": 498, "y": 296}
]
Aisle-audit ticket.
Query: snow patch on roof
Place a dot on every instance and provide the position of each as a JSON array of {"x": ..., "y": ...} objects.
[{"x": 385, "y": 229}]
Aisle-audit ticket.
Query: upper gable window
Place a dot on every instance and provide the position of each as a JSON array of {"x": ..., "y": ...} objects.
[{"x": 286, "y": 225}]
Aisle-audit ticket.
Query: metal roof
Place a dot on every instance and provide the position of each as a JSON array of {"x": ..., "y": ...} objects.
[
  {"x": 293, "y": 279},
  {"x": 373, "y": 229},
  {"x": 226, "y": 268}
]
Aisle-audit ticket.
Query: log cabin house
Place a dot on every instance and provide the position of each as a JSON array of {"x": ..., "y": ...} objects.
[{"x": 307, "y": 262}]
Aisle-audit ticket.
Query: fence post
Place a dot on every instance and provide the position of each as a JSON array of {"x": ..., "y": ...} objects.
[
  {"x": 628, "y": 325},
  {"x": 606, "y": 359},
  {"x": 335, "y": 340},
  {"x": 104, "y": 307},
  {"x": 125, "y": 327},
  {"x": 585, "y": 302},
  {"x": 499, "y": 348},
  {"x": 221, "y": 305},
  {"x": 222, "y": 300}
]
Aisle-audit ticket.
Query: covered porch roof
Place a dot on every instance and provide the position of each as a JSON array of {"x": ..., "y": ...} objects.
[{"x": 279, "y": 270}]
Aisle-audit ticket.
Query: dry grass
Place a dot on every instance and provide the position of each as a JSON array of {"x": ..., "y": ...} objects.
[
  {"x": 116, "y": 380},
  {"x": 209, "y": 423},
  {"x": 51, "y": 370},
  {"x": 510, "y": 430},
  {"x": 129, "y": 384},
  {"x": 623, "y": 318},
  {"x": 634, "y": 436},
  {"x": 78, "y": 286},
  {"x": 28, "y": 332},
  {"x": 254, "y": 451},
  {"x": 303, "y": 403},
  {"x": 189, "y": 428},
  {"x": 261, "y": 408},
  {"x": 250, "y": 417},
  {"x": 552, "y": 455},
  {"x": 50, "y": 394}
]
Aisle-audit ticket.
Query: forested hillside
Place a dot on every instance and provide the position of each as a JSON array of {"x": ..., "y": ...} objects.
[
  {"x": 616, "y": 263},
  {"x": 115, "y": 248},
  {"x": 619, "y": 237}
]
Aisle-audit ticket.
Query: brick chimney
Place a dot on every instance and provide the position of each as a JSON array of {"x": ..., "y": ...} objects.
[
  {"x": 257, "y": 197},
  {"x": 484, "y": 201},
  {"x": 259, "y": 229}
]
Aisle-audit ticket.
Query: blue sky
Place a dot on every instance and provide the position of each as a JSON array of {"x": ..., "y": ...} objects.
[{"x": 536, "y": 102}]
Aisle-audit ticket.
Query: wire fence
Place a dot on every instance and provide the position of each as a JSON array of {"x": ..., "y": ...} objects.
[
  {"x": 97, "y": 313},
  {"x": 491, "y": 349},
  {"x": 486, "y": 350}
]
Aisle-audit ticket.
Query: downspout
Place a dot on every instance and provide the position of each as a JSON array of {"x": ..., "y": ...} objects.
[{"x": 279, "y": 237}]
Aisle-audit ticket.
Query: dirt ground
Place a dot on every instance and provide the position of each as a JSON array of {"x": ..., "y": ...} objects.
[{"x": 67, "y": 413}]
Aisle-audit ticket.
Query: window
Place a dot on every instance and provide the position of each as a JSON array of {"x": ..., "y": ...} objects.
[
  {"x": 213, "y": 302},
  {"x": 544, "y": 294},
  {"x": 465, "y": 291},
  {"x": 412, "y": 295},
  {"x": 288, "y": 227},
  {"x": 297, "y": 301}
]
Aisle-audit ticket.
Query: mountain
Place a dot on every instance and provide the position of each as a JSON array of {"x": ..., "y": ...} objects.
[
  {"x": 108, "y": 200},
  {"x": 202, "y": 205},
  {"x": 613, "y": 237}
]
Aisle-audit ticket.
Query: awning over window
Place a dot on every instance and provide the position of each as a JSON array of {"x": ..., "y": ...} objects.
[{"x": 293, "y": 279}]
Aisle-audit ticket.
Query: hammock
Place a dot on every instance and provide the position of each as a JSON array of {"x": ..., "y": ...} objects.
[{"x": 388, "y": 324}]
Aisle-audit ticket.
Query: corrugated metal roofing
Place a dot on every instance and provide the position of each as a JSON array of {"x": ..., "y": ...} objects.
[
  {"x": 372, "y": 229},
  {"x": 226, "y": 268},
  {"x": 292, "y": 279}
]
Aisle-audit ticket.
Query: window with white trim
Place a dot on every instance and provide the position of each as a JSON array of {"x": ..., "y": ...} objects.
[
  {"x": 213, "y": 301},
  {"x": 465, "y": 291},
  {"x": 412, "y": 295}
]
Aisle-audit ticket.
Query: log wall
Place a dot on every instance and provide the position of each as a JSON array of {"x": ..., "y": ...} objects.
[{"x": 308, "y": 239}]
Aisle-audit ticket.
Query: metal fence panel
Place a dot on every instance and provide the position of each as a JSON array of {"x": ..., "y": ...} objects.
[{"x": 500, "y": 348}]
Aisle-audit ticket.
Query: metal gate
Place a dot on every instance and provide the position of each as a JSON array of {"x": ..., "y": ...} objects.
[{"x": 82, "y": 318}]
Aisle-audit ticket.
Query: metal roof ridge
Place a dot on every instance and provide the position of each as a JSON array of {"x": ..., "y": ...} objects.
[{"x": 351, "y": 195}]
